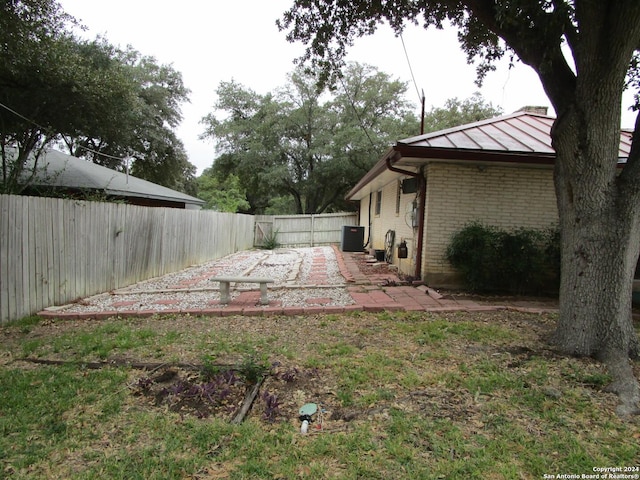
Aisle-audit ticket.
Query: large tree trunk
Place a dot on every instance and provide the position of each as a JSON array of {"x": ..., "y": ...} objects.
[
  {"x": 598, "y": 202},
  {"x": 599, "y": 220}
]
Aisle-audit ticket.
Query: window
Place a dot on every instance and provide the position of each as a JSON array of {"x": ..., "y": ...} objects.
[
  {"x": 398, "y": 192},
  {"x": 378, "y": 201}
]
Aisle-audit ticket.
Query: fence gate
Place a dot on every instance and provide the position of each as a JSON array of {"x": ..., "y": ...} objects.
[
  {"x": 263, "y": 229},
  {"x": 302, "y": 230}
]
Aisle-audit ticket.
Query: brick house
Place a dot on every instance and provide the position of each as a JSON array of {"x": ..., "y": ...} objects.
[{"x": 424, "y": 189}]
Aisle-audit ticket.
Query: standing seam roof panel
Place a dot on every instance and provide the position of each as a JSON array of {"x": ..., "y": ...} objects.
[
  {"x": 462, "y": 140},
  {"x": 529, "y": 138},
  {"x": 443, "y": 142},
  {"x": 509, "y": 142},
  {"x": 480, "y": 139}
]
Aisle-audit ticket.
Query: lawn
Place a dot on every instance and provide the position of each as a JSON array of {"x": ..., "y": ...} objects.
[{"x": 399, "y": 395}]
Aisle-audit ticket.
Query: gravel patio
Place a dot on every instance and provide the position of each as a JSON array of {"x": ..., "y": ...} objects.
[{"x": 306, "y": 280}]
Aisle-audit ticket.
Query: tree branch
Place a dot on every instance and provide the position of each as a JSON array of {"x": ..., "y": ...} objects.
[{"x": 537, "y": 40}]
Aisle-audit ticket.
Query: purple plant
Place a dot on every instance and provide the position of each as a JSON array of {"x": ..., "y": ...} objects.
[
  {"x": 144, "y": 384},
  {"x": 204, "y": 397},
  {"x": 178, "y": 388},
  {"x": 194, "y": 391},
  {"x": 229, "y": 377},
  {"x": 290, "y": 375},
  {"x": 271, "y": 406}
]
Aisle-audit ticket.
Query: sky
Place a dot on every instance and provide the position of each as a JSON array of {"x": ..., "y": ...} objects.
[{"x": 210, "y": 41}]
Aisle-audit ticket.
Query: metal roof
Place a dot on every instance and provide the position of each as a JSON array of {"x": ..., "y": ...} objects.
[
  {"x": 57, "y": 169},
  {"x": 522, "y": 137},
  {"x": 521, "y": 132}
]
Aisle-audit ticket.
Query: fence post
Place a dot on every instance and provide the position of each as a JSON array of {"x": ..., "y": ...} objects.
[{"x": 312, "y": 228}]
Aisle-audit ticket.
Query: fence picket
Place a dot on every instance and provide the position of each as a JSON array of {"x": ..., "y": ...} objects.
[{"x": 53, "y": 251}]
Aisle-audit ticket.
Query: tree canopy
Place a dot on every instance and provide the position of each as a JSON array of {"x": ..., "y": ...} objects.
[
  {"x": 139, "y": 125},
  {"x": 458, "y": 112},
  {"x": 303, "y": 146},
  {"x": 585, "y": 54},
  {"x": 222, "y": 196},
  {"x": 110, "y": 106}
]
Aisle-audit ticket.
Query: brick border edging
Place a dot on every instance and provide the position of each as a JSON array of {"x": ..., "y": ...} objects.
[
  {"x": 342, "y": 266},
  {"x": 283, "y": 311}
]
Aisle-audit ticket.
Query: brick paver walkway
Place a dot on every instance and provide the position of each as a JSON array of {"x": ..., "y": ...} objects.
[{"x": 379, "y": 292}]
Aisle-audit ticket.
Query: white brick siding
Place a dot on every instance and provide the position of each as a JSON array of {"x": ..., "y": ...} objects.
[
  {"x": 508, "y": 196},
  {"x": 503, "y": 196},
  {"x": 390, "y": 220}
]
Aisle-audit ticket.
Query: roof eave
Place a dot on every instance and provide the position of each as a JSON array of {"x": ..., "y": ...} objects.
[
  {"x": 182, "y": 199},
  {"x": 402, "y": 151},
  {"x": 376, "y": 170},
  {"x": 436, "y": 153}
]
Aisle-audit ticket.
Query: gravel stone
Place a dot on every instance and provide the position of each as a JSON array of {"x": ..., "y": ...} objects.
[{"x": 292, "y": 270}]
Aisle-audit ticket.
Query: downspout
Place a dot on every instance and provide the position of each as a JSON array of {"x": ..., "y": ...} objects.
[
  {"x": 423, "y": 192},
  {"x": 370, "y": 222}
]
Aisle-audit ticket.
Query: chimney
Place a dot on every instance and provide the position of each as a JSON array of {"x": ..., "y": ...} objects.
[{"x": 539, "y": 110}]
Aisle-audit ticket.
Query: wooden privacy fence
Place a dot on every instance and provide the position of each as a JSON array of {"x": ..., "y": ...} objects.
[
  {"x": 54, "y": 251},
  {"x": 303, "y": 230}
]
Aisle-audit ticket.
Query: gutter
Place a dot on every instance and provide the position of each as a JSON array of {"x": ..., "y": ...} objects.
[{"x": 423, "y": 194}]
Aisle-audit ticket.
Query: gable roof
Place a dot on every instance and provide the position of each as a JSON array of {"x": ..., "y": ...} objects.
[
  {"x": 57, "y": 169},
  {"x": 522, "y": 137}
]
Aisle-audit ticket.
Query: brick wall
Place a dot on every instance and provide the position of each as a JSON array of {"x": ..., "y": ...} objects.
[{"x": 503, "y": 196}]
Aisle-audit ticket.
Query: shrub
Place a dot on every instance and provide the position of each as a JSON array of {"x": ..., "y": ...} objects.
[
  {"x": 270, "y": 241},
  {"x": 517, "y": 261},
  {"x": 473, "y": 251}
]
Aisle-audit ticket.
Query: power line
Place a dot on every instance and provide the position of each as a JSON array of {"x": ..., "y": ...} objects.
[
  {"x": 22, "y": 116},
  {"x": 353, "y": 105},
  {"x": 404, "y": 47},
  {"x": 49, "y": 131}
]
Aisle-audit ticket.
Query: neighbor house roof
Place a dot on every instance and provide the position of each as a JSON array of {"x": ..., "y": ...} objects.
[
  {"x": 521, "y": 137},
  {"x": 57, "y": 169}
]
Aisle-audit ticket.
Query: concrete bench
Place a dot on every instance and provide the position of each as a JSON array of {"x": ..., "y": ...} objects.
[{"x": 225, "y": 281}]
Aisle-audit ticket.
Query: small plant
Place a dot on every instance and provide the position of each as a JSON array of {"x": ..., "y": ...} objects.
[
  {"x": 271, "y": 406},
  {"x": 290, "y": 375},
  {"x": 270, "y": 240},
  {"x": 209, "y": 368},
  {"x": 252, "y": 370},
  {"x": 142, "y": 386}
]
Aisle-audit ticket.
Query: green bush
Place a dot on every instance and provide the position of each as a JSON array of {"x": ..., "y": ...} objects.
[
  {"x": 517, "y": 261},
  {"x": 270, "y": 241},
  {"x": 473, "y": 251}
]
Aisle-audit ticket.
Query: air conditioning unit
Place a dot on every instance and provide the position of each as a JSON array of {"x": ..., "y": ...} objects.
[{"x": 352, "y": 239}]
